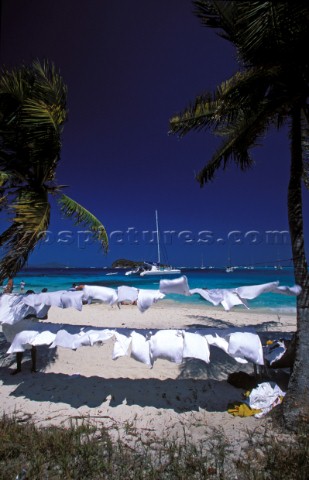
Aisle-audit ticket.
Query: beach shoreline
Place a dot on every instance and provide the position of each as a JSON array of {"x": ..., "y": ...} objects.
[{"x": 168, "y": 399}]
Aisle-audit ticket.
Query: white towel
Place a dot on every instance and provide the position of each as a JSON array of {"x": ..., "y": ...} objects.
[
  {"x": 222, "y": 343},
  {"x": 167, "y": 344},
  {"x": 121, "y": 345},
  {"x": 105, "y": 294},
  {"x": 22, "y": 341},
  {"x": 72, "y": 300},
  {"x": 13, "y": 309},
  {"x": 177, "y": 285},
  {"x": 127, "y": 293},
  {"x": 140, "y": 348},
  {"x": 195, "y": 346},
  {"x": 246, "y": 345},
  {"x": 146, "y": 298}
]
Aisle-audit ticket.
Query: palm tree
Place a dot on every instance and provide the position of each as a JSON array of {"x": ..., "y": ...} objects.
[
  {"x": 271, "y": 88},
  {"x": 32, "y": 114}
]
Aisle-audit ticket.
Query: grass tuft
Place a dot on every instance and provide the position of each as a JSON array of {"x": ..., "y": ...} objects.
[{"x": 87, "y": 451}]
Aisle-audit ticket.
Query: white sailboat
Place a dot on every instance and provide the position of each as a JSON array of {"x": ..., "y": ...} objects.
[
  {"x": 229, "y": 268},
  {"x": 202, "y": 264},
  {"x": 158, "y": 269}
]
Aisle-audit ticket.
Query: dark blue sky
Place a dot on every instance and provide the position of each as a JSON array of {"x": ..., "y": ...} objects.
[{"x": 129, "y": 66}]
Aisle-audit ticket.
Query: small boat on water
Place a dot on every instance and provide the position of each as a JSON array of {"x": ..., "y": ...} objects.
[
  {"x": 136, "y": 271},
  {"x": 202, "y": 264},
  {"x": 155, "y": 269},
  {"x": 160, "y": 270}
]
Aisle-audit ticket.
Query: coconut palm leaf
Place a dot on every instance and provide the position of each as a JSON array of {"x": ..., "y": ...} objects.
[
  {"x": 32, "y": 115},
  {"x": 31, "y": 219},
  {"x": 33, "y": 107},
  {"x": 74, "y": 210},
  {"x": 241, "y": 93},
  {"x": 218, "y": 15},
  {"x": 263, "y": 32},
  {"x": 12, "y": 84},
  {"x": 4, "y": 178}
]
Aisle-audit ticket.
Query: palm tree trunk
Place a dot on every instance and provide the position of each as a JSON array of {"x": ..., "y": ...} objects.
[{"x": 296, "y": 402}]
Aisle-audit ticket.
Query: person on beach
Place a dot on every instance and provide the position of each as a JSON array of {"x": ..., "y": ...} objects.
[
  {"x": 9, "y": 287},
  {"x": 19, "y": 357},
  {"x": 22, "y": 286},
  {"x": 10, "y": 331},
  {"x": 27, "y": 323}
]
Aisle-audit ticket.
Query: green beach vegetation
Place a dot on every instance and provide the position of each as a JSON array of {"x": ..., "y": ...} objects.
[
  {"x": 87, "y": 451},
  {"x": 126, "y": 263},
  {"x": 270, "y": 89},
  {"x": 32, "y": 115}
]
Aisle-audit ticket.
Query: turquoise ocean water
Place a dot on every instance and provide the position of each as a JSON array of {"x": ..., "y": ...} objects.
[{"x": 58, "y": 279}]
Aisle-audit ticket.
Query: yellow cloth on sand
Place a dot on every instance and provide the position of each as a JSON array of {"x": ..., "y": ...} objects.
[{"x": 242, "y": 410}]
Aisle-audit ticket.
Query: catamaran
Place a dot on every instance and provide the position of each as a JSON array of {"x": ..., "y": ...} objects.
[{"x": 157, "y": 269}]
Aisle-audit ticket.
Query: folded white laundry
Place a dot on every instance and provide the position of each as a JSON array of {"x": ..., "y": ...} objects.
[
  {"x": 99, "y": 336},
  {"x": 167, "y": 344},
  {"x": 127, "y": 293},
  {"x": 68, "y": 340},
  {"x": 176, "y": 285},
  {"x": 146, "y": 298},
  {"x": 227, "y": 298},
  {"x": 252, "y": 291},
  {"x": 246, "y": 345},
  {"x": 222, "y": 342},
  {"x": 72, "y": 300},
  {"x": 13, "y": 309},
  {"x": 195, "y": 346},
  {"x": 104, "y": 294},
  {"x": 121, "y": 345},
  {"x": 52, "y": 299},
  {"x": 140, "y": 348},
  {"x": 23, "y": 341}
]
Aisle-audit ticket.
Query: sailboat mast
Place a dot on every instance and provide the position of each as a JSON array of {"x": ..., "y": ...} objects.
[{"x": 158, "y": 238}]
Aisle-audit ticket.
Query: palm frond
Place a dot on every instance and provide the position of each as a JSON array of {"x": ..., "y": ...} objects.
[
  {"x": 37, "y": 112},
  {"x": 4, "y": 177},
  {"x": 33, "y": 112},
  {"x": 5, "y": 183},
  {"x": 74, "y": 210},
  {"x": 218, "y": 15},
  {"x": 272, "y": 32},
  {"x": 31, "y": 219},
  {"x": 197, "y": 116},
  {"x": 50, "y": 84},
  {"x": 241, "y": 135},
  {"x": 210, "y": 111},
  {"x": 12, "y": 84}
]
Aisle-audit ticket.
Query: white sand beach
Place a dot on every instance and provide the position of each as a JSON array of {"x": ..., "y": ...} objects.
[{"x": 131, "y": 399}]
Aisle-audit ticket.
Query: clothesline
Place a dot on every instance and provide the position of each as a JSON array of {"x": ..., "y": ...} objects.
[
  {"x": 13, "y": 308},
  {"x": 145, "y": 345}
]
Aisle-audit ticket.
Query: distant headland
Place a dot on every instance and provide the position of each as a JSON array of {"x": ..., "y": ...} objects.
[{"x": 125, "y": 263}]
